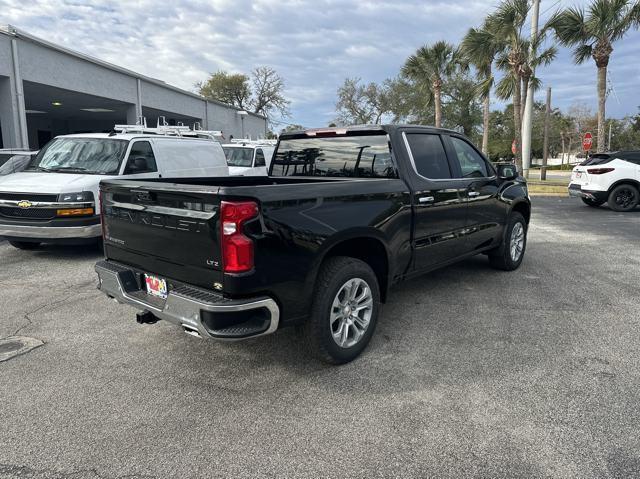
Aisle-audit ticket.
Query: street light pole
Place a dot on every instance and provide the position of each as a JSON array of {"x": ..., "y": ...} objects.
[{"x": 527, "y": 120}]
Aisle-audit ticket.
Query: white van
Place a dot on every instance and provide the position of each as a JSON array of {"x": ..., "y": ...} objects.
[
  {"x": 249, "y": 157},
  {"x": 55, "y": 199}
]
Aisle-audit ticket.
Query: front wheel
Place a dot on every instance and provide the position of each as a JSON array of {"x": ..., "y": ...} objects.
[
  {"x": 623, "y": 198},
  {"x": 508, "y": 256},
  {"x": 592, "y": 203},
  {"x": 344, "y": 311}
]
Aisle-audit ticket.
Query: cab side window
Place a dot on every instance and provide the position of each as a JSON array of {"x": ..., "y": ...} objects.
[
  {"x": 141, "y": 159},
  {"x": 429, "y": 156},
  {"x": 260, "y": 161},
  {"x": 471, "y": 163}
]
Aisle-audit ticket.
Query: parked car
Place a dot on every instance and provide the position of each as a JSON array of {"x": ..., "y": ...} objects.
[
  {"x": 13, "y": 161},
  {"x": 612, "y": 178},
  {"x": 54, "y": 198},
  {"x": 248, "y": 158},
  {"x": 343, "y": 215}
]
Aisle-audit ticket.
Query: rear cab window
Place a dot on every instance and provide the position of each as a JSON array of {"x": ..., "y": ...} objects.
[
  {"x": 357, "y": 154},
  {"x": 428, "y": 155}
]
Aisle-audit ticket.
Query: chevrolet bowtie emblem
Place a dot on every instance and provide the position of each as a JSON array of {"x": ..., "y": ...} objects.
[{"x": 25, "y": 204}]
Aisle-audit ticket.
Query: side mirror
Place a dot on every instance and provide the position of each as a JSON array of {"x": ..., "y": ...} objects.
[{"x": 507, "y": 172}]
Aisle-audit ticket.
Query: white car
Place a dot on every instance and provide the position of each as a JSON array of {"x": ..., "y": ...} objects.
[
  {"x": 249, "y": 158},
  {"x": 612, "y": 178},
  {"x": 55, "y": 199}
]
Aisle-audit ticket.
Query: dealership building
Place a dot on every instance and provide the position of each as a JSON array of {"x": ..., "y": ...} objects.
[{"x": 47, "y": 90}]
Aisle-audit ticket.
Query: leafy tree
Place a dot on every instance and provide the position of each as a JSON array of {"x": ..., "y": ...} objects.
[
  {"x": 231, "y": 88},
  {"x": 429, "y": 67},
  {"x": 592, "y": 34},
  {"x": 362, "y": 103},
  {"x": 461, "y": 105},
  {"x": 261, "y": 93}
]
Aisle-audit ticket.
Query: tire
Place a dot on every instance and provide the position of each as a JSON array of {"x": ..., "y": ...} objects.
[
  {"x": 623, "y": 198},
  {"x": 335, "y": 281},
  {"x": 592, "y": 203},
  {"x": 24, "y": 245},
  {"x": 502, "y": 257}
]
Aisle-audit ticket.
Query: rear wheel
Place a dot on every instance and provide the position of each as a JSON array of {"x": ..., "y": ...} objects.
[
  {"x": 623, "y": 198},
  {"x": 344, "y": 311},
  {"x": 26, "y": 245},
  {"x": 592, "y": 203},
  {"x": 508, "y": 256}
]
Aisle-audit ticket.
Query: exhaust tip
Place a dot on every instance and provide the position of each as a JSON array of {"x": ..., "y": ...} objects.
[{"x": 191, "y": 331}]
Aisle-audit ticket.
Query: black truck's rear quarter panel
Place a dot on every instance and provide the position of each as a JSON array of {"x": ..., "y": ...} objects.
[{"x": 299, "y": 226}]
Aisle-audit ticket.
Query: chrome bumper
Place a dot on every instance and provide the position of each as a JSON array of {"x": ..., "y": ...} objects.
[
  {"x": 51, "y": 232},
  {"x": 186, "y": 305}
]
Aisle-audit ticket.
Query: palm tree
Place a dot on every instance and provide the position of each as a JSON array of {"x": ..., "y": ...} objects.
[
  {"x": 592, "y": 34},
  {"x": 480, "y": 46},
  {"x": 507, "y": 23},
  {"x": 429, "y": 67},
  {"x": 516, "y": 59}
]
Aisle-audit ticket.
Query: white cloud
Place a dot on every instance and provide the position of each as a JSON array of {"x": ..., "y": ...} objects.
[{"x": 314, "y": 44}]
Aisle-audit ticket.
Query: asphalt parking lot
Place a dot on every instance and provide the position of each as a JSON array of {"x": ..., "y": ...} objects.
[{"x": 472, "y": 372}]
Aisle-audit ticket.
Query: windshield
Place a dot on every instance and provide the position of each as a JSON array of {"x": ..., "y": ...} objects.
[
  {"x": 363, "y": 156},
  {"x": 238, "y": 156},
  {"x": 95, "y": 156}
]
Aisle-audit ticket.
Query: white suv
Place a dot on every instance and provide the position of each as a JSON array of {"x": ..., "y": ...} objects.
[{"x": 612, "y": 178}]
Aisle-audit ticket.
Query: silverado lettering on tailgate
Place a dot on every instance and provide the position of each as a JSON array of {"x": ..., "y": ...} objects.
[{"x": 156, "y": 220}]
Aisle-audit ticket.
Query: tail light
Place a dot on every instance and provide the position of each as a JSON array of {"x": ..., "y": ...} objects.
[
  {"x": 237, "y": 249},
  {"x": 599, "y": 171}
]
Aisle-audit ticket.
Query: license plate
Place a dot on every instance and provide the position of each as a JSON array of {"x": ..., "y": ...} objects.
[{"x": 156, "y": 286}]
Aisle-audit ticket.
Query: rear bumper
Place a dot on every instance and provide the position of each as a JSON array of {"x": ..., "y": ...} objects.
[
  {"x": 577, "y": 191},
  {"x": 199, "y": 312}
]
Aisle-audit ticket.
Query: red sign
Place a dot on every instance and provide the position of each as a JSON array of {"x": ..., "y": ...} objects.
[
  {"x": 587, "y": 141},
  {"x": 514, "y": 147}
]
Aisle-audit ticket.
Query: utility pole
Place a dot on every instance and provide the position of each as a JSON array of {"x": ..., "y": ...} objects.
[
  {"x": 610, "y": 123},
  {"x": 528, "y": 109},
  {"x": 545, "y": 147}
]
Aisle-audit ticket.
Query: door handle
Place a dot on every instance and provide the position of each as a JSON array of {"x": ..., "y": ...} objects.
[
  {"x": 426, "y": 199},
  {"x": 474, "y": 193}
]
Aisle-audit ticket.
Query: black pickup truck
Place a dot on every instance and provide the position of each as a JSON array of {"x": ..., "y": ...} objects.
[{"x": 344, "y": 214}]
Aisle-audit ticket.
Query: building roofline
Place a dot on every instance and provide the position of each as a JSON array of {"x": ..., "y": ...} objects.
[{"x": 11, "y": 30}]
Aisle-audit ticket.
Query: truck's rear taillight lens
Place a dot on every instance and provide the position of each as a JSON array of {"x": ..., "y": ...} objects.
[
  {"x": 599, "y": 171},
  {"x": 237, "y": 249}
]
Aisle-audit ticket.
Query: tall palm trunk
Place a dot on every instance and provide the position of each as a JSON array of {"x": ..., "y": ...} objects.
[
  {"x": 525, "y": 88},
  {"x": 437, "y": 95},
  {"x": 485, "y": 124},
  {"x": 517, "y": 122},
  {"x": 602, "y": 99}
]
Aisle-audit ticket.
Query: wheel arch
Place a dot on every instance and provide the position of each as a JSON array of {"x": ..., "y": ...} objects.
[
  {"x": 364, "y": 244},
  {"x": 524, "y": 208},
  {"x": 623, "y": 181}
]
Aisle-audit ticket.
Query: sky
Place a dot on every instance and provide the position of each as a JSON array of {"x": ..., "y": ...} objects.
[{"x": 313, "y": 44}]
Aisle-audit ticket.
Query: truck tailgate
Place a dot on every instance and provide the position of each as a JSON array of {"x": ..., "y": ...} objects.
[{"x": 158, "y": 229}]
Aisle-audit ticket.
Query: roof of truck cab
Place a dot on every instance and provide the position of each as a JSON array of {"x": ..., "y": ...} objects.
[
  {"x": 128, "y": 136},
  {"x": 366, "y": 128}
]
